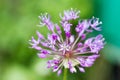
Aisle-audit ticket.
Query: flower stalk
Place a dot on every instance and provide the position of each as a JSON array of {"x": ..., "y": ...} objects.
[{"x": 65, "y": 74}]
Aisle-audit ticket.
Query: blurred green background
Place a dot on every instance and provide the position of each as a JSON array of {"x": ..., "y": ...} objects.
[{"x": 18, "y": 20}]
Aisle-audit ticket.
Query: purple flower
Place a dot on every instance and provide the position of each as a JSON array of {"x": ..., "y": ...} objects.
[
  {"x": 45, "y": 21},
  {"x": 69, "y": 52},
  {"x": 94, "y": 23},
  {"x": 95, "y": 43},
  {"x": 70, "y": 14}
]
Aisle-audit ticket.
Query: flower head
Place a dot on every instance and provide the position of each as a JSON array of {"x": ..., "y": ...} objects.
[{"x": 69, "y": 52}]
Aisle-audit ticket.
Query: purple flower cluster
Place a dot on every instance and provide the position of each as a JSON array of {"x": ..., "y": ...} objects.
[{"x": 73, "y": 51}]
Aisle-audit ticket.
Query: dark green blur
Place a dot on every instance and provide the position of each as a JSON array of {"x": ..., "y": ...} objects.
[{"x": 19, "y": 20}]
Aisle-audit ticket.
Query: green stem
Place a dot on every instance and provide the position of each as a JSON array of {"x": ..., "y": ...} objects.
[{"x": 65, "y": 74}]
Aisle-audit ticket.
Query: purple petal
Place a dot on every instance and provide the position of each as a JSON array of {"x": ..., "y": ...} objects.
[
  {"x": 95, "y": 43},
  {"x": 83, "y": 36},
  {"x": 59, "y": 72},
  {"x": 88, "y": 41},
  {"x": 55, "y": 68},
  {"x": 40, "y": 36},
  {"x": 93, "y": 57},
  {"x": 87, "y": 62},
  {"x": 42, "y": 55},
  {"x": 72, "y": 70},
  {"x": 54, "y": 36},
  {"x": 34, "y": 41},
  {"x": 82, "y": 27},
  {"x": 56, "y": 61},
  {"x": 80, "y": 44},
  {"x": 49, "y": 64},
  {"x": 44, "y": 52},
  {"x": 37, "y": 47},
  {"x": 58, "y": 29},
  {"x": 72, "y": 39},
  {"x": 98, "y": 37},
  {"x": 81, "y": 69},
  {"x": 45, "y": 20},
  {"x": 94, "y": 23},
  {"x": 70, "y": 14},
  {"x": 66, "y": 26},
  {"x": 68, "y": 34}
]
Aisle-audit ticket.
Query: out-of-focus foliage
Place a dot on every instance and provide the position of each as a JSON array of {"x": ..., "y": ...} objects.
[
  {"x": 18, "y": 20},
  {"x": 111, "y": 29}
]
